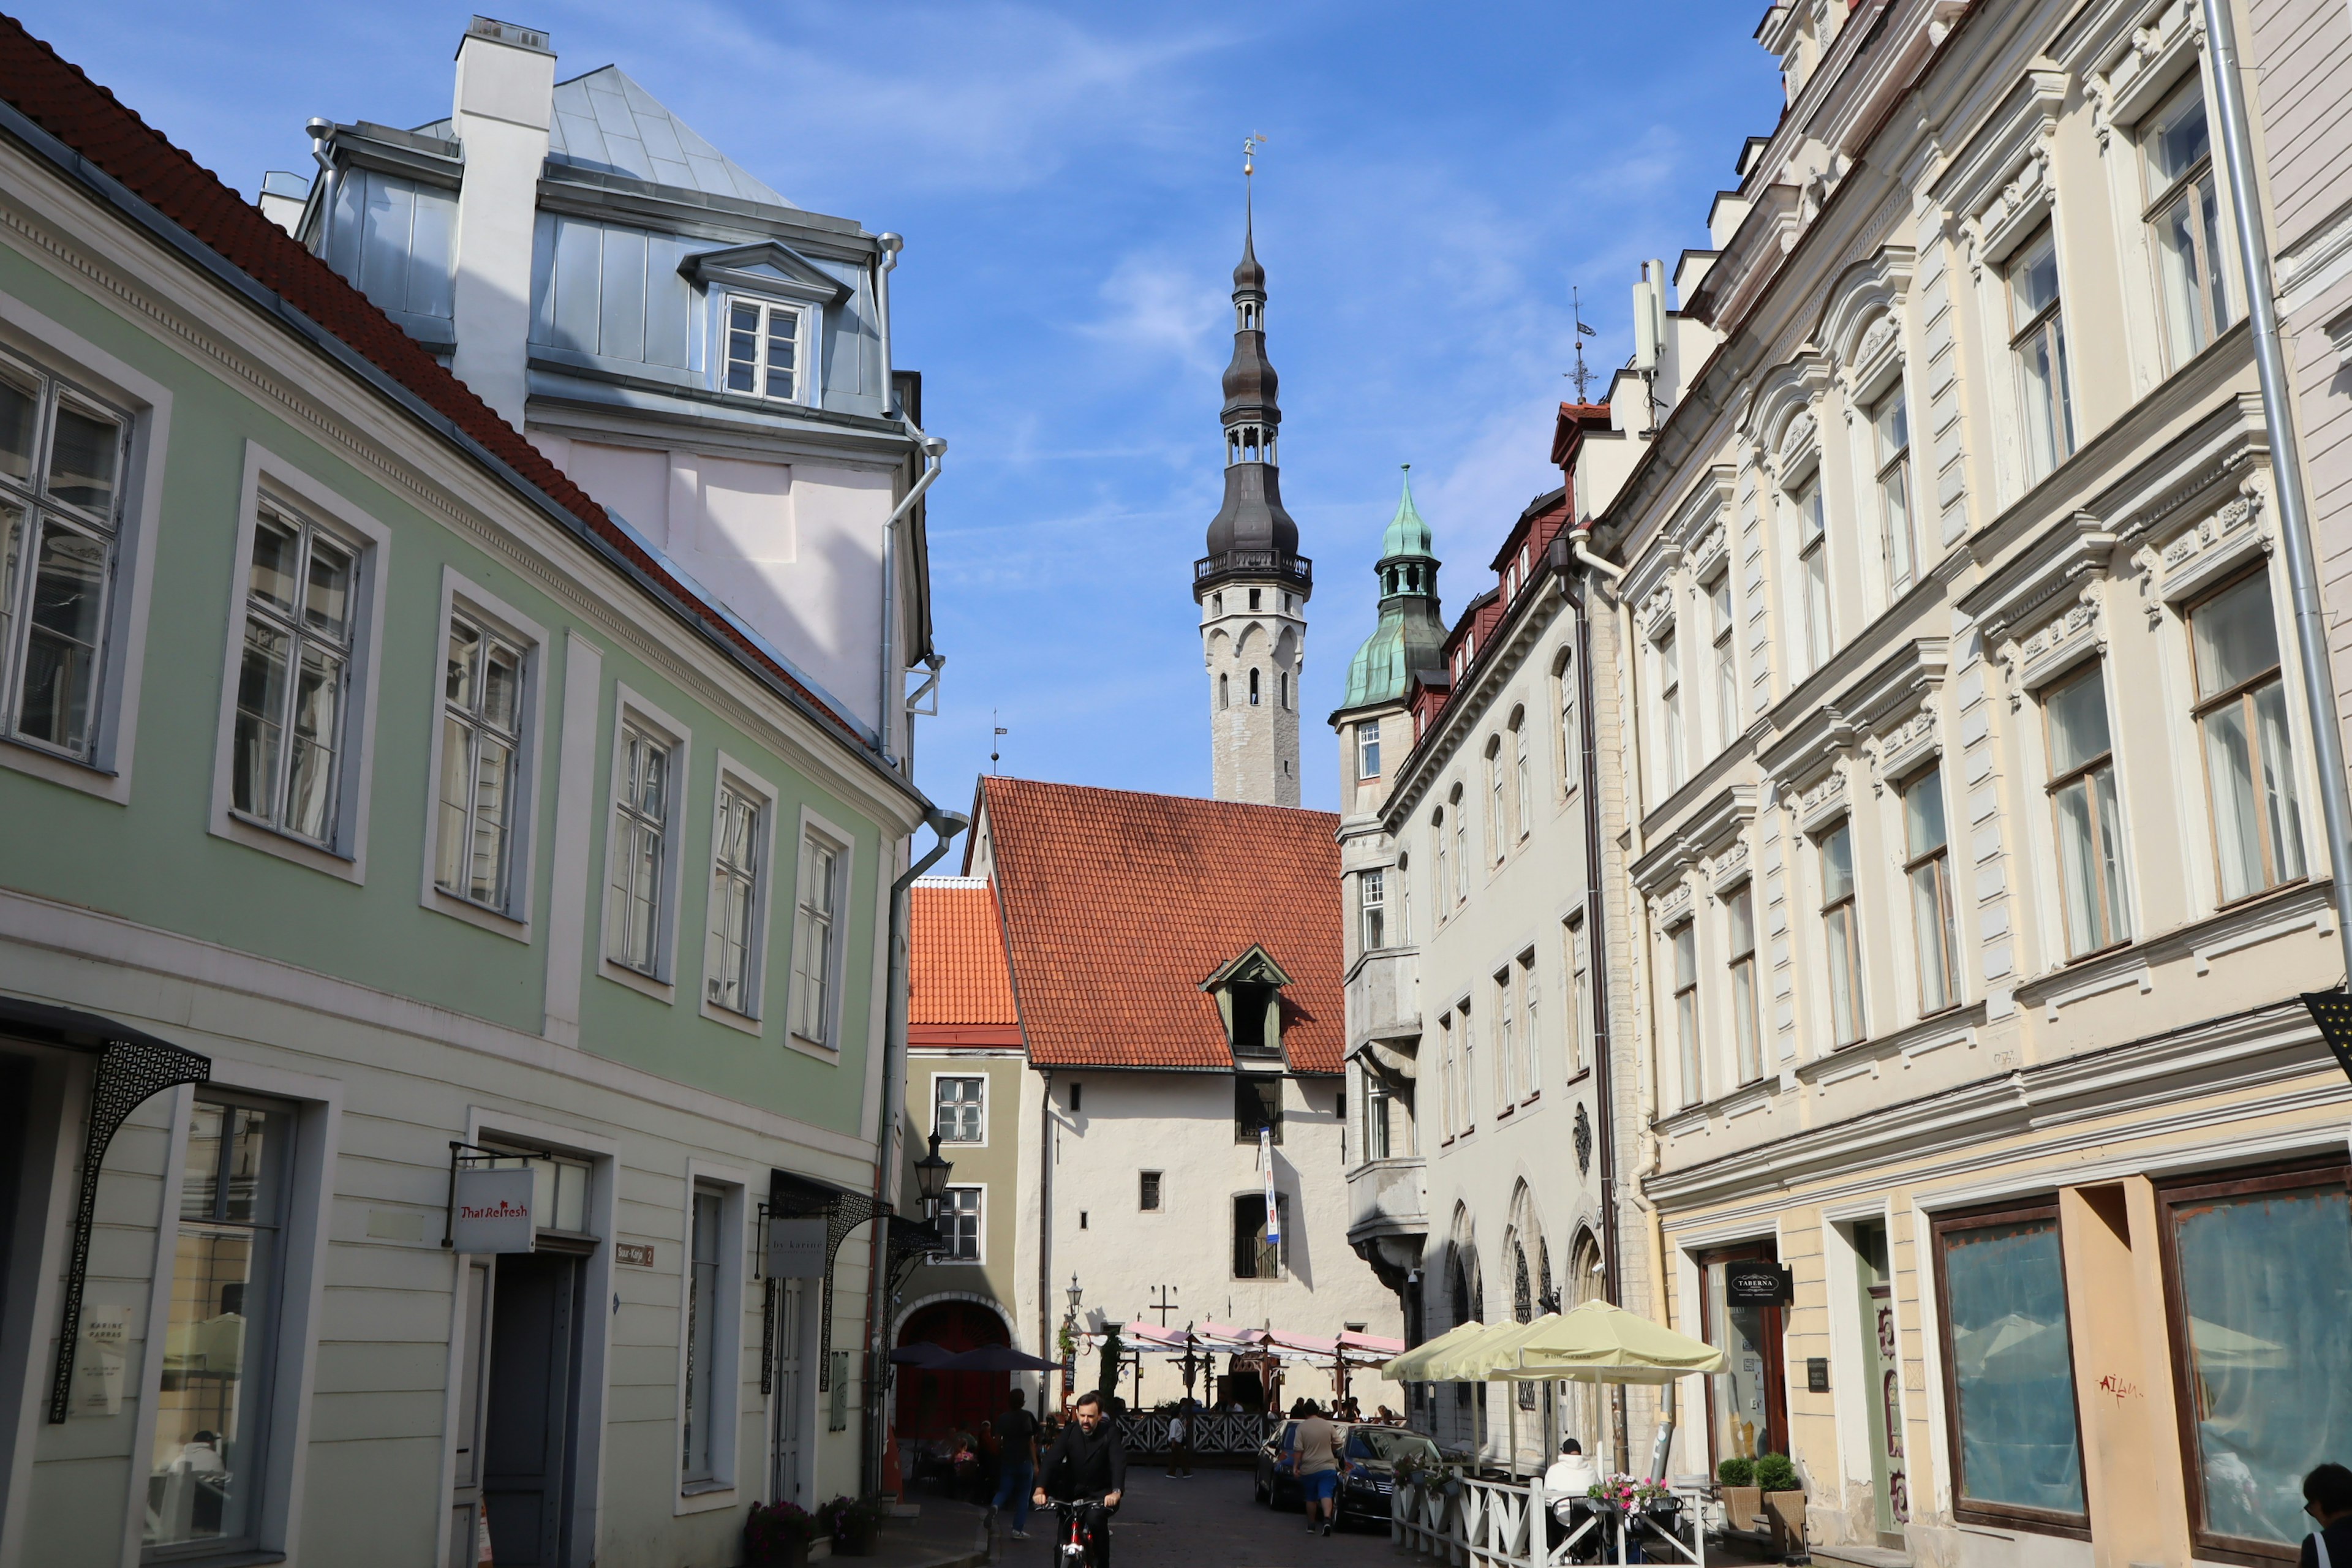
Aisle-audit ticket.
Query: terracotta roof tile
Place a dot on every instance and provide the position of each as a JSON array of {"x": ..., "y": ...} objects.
[
  {"x": 57, "y": 97},
  {"x": 955, "y": 968},
  {"x": 1118, "y": 905}
]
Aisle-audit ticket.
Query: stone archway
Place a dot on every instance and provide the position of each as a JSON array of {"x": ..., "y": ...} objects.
[{"x": 934, "y": 1403}]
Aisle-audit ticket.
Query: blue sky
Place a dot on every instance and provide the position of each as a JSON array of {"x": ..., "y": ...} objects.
[{"x": 1436, "y": 178}]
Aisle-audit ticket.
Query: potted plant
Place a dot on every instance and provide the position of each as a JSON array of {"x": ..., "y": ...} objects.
[
  {"x": 1784, "y": 1498},
  {"x": 1743, "y": 1500},
  {"x": 777, "y": 1535},
  {"x": 854, "y": 1523}
]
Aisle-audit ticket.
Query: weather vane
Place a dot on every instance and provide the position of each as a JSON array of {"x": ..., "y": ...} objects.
[
  {"x": 992, "y": 758},
  {"x": 1250, "y": 144},
  {"x": 1579, "y": 374}
]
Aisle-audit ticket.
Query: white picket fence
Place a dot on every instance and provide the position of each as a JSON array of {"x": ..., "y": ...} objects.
[{"x": 1496, "y": 1524}]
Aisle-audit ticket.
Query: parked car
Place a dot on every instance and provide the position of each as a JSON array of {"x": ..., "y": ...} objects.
[{"x": 1367, "y": 1457}]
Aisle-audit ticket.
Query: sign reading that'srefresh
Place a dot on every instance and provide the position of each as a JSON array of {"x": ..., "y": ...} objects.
[{"x": 494, "y": 1212}]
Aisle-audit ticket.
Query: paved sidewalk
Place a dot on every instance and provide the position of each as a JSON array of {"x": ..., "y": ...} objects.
[{"x": 946, "y": 1535}]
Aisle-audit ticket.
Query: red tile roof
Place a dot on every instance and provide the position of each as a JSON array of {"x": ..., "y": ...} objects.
[
  {"x": 1117, "y": 905},
  {"x": 57, "y": 97},
  {"x": 958, "y": 990}
]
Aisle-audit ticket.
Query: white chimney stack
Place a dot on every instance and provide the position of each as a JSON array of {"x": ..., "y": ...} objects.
[{"x": 505, "y": 101}]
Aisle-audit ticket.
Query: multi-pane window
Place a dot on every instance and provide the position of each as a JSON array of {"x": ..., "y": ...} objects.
[
  {"x": 2089, "y": 823},
  {"x": 1580, "y": 996},
  {"x": 1147, "y": 1197},
  {"x": 212, "y": 1407},
  {"x": 1685, "y": 940},
  {"x": 1814, "y": 569},
  {"x": 1670, "y": 715},
  {"x": 2185, "y": 220},
  {"x": 701, "y": 1339},
  {"x": 1448, "y": 1104},
  {"x": 2037, "y": 342},
  {"x": 1927, "y": 864},
  {"x": 293, "y": 678},
  {"x": 812, "y": 939},
  {"x": 1741, "y": 908},
  {"x": 1522, "y": 779},
  {"x": 1495, "y": 840},
  {"x": 632, "y": 912},
  {"x": 1506, "y": 1055},
  {"x": 1531, "y": 1035},
  {"x": 1841, "y": 934},
  {"x": 1891, "y": 422},
  {"x": 734, "y": 892},
  {"x": 1726, "y": 665},
  {"x": 2249, "y": 757},
  {"x": 481, "y": 739},
  {"x": 1461, "y": 857},
  {"x": 2017, "y": 1450},
  {"x": 1372, "y": 898},
  {"x": 1444, "y": 861},
  {"x": 763, "y": 350},
  {"x": 1367, "y": 751},
  {"x": 61, "y": 461},
  {"x": 958, "y": 1220},
  {"x": 957, "y": 1109},
  {"x": 1572, "y": 735},
  {"x": 1378, "y": 1141},
  {"x": 1257, "y": 1256}
]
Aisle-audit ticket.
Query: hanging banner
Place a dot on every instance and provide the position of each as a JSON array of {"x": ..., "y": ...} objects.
[
  {"x": 797, "y": 1248},
  {"x": 1273, "y": 1200},
  {"x": 493, "y": 1211}
]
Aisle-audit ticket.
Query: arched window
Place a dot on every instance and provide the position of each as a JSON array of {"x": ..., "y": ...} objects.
[
  {"x": 1572, "y": 735},
  {"x": 1253, "y": 686},
  {"x": 1224, "y": 691},
  {"x": 1522, "y": 773},
  {"x": 1523, "y": 1296}
]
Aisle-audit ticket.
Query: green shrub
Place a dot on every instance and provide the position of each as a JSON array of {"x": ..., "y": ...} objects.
[
  {"x": 1737, "y": 1472},
  {"x": 1774, "y": 1473}
]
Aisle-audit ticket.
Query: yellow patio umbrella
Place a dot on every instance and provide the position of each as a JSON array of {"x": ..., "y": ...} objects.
[
  {"x": 1413, "y": 1366},
  {"x": 1597, "y": 1342},
  {"x": 1482, "y": 1358}
]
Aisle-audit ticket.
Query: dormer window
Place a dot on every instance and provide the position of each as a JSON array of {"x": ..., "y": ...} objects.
[
  {"x": 763, "y": 350},
  {"x": 1249, "y": 996}
]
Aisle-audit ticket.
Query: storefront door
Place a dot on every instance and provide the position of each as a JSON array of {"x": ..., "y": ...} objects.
[
  {"x": 1883, "y": 1396},
  {"x": 1747, "y": 1404},
  {"x": 527, "y": 1437}
]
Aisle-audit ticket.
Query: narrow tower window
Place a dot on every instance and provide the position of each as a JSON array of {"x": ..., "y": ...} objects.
[
  {"x": 1253, "y": 688},
  {"x": 1224, "y": 691},
  {"x": 1254, "y": 598},
  {"x": 1282, "y": 683}
]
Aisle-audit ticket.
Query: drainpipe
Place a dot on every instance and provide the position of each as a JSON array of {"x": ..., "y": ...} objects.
[
  {"x": 930, "y": 454},
  {"x": 946, "y": 824},
  {"x": 319, "y": 129},
  {"x": 2286, "y": 462},
  {"x": 1046, "y": 1236}
]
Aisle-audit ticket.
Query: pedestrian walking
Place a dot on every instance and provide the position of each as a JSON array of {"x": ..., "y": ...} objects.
[
  {"x": 1180, "y": 1442},
  {"x": 2327, "y": 1498},
  {"x": 1318, "y": 1470},
  {"x": 1017, "y": 1462}
]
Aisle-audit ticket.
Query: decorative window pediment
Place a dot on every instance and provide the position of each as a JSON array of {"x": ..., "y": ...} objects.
[
  {"x": 770, "y": 266},
  {"x": 1782, "y": 421},
  {"x": 1997, "y": 190},
  {"x": 2132, "y": 57}
]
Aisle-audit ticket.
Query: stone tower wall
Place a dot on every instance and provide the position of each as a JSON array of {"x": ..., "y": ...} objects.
[{"x": 1254, "y": 748}]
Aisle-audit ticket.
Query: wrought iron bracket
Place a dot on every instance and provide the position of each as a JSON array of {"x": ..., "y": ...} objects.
[{"x": 842, "y": 1211}]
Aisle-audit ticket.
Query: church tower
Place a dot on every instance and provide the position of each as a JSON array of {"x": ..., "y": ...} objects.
[{"x": 1253, "y": 584}]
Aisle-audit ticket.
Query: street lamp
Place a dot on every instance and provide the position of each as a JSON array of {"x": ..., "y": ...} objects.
[
  {"x": 931, "y": 1178},
  {"x": 1074, "y": 1294}
]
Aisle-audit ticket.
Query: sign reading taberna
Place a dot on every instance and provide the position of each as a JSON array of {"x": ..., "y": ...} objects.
[
  {"x": 1758, "y": 1285},
  {"x": 492, "y": 1212}
]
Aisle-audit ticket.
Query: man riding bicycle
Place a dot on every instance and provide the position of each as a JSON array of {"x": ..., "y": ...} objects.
[{"x": 1087, "y": 1469}]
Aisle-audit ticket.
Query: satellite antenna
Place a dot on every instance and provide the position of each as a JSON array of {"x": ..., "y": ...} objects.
[
  {"x": 993, "y": 757},
  {"x": 1579, "y": 374}
]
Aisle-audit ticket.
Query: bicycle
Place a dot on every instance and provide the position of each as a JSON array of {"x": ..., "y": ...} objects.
[{"x": 1076, "y": 1549}]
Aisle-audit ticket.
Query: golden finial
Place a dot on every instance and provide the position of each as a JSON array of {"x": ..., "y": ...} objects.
[{"x": 1250, "y": 144}]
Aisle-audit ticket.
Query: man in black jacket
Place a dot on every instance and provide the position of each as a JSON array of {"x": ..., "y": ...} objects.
[{"x": 1087, "y": 1465}]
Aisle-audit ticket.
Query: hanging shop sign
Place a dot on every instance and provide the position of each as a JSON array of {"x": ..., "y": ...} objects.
[
  {"x": 797, "y": 1248},
  {"x": 492, "y": 1211},
  {"x": 1758, "y": 1285}
]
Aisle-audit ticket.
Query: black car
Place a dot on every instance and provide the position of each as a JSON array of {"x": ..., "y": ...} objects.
[{"x": 1367, "y": 1456}]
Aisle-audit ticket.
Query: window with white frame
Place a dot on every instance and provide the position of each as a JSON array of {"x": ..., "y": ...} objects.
[
  {"x": 1367, "y": 751},
  {"x": 212, "y": 1438},
  {"x": 1572, "y": 733},
  {"x": 1814, "y": 569},
  {"x": 481, "y": 753},
  {"x": 1522, "y": 774},
  {"x": 1891, "y": 425},
  {"x": 1372, "y": 902},
  {"x": 1747, "y": 1035},
  {"x": 958, "y": 1220},
  {"x": 1506, "y": 1054},
  {"x": 1841, "y": 934},
  {"x": 1580, "y": 995},
  {"x": 1683, "y": 940},
  {"x": 2038, "y": 344},
  {"x": 764, "y": 351},
  {"x": 2184, "y": 221},
  {"x": 816, "y": 906},
  {"x": 1927, "y": 866},
  {"x": 62, "y": 457},
  {"x": 738, "y": 855},
  {"x": 294, "y": 677},
  {"x": 2242, "y": 716},
  {"x": 1448, "y": 1101},
  {"x": 1461, "y": 854},
  {"x": 1670, "y": 715},
  {"x": 2089, "y": 823},
  {"x": 1726, "y": 662},
  {"x": 1445, "y": 863},
  {"x": 639, "y": 852},
  {"x": 959, "y": 1108},
  {"x": 698, "y": 1421},
  {"x": 1530, "y": 1030},
  {"x": 1497, "y": 784}
]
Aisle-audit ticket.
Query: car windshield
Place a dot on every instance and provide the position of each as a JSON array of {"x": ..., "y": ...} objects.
[{"x": 1389, "y": 1444}]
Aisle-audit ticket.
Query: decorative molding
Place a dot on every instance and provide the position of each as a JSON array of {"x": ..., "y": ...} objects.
[
  {"x": 2216, "y": 545},
  {"x": 2000, "y": 184},
  {"x": 1824, "y": 803}
]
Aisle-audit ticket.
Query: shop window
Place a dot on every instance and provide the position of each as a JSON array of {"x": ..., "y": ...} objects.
[
  {"x": 1748, "y": 1402},
  {"x": 2259, "y": 1277},
  {"x": 2008, "y": 1371}
]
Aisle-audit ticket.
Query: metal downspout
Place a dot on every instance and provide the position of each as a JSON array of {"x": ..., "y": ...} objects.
[
  {"x": 931, "y": 454},
  {"x": 2287, "y": 463},
  {"x": 946, "y": 824}
]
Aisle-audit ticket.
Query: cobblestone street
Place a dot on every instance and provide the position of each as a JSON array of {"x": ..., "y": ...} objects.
[{"x": 1211, "y": 1520}]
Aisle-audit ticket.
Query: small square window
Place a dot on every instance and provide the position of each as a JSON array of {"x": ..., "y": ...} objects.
[{"x": 1148, "y": 1198}]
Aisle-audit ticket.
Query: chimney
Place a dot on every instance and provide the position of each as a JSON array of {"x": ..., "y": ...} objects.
[{"x": 505, "y": 102}]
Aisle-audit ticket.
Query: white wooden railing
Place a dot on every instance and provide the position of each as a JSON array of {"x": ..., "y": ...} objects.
[
  {"x": 1213, "y": 1432},
  {"x": 1472, "y": 1524}
]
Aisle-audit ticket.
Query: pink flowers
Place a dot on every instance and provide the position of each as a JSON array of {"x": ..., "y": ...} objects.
[{"x": 1627, "y": 1494}]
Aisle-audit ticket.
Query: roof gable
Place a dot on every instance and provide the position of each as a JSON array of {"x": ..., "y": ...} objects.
[{"x": 769, "y": 264}]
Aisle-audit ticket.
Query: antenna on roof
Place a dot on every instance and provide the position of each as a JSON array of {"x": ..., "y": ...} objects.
[
  {"x": 992, "y": 758},
  {"x": 1579, "y": 374}
]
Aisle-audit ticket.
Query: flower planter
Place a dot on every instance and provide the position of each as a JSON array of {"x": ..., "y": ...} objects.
[{"x": 858, "y": 1540}]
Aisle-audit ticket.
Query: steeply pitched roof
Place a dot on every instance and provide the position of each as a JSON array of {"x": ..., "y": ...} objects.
[
  {"x": 124, "y": 150},
  {"x": 958, "y": 992},
  {"x": 1118, "y": 905},
  {"x": 603, "y": 120}
]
